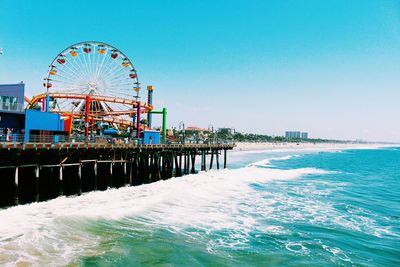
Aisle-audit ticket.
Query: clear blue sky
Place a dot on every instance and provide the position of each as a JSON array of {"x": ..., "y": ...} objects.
[{"x": 331, "y": 68}]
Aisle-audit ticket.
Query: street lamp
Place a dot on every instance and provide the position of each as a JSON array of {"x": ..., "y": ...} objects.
[
  {"x": 182, "y": 130},
  {"x": 211, "y": 127}
]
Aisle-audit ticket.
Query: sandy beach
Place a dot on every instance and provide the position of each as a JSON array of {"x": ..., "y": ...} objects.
[{"x": 247, "y": 146}]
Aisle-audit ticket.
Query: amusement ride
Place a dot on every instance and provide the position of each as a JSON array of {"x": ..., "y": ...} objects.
[{"x": 96, "y": 87}]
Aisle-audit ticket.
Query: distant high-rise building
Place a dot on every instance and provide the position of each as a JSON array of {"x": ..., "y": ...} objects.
[
  {"x": 296, "y": 135},
  {"x": 292, "y": 135}
]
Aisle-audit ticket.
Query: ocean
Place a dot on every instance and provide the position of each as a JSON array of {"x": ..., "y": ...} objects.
[{"x": 270, "y": 208}]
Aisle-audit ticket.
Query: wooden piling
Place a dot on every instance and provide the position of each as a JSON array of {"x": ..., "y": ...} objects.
[
  {"x": 187, "y": 162},
  {"x": 212, "y": 159},
  {"x": 61, "y": 178},
  {"x": 193, "y": 156},
  {"x": 37, "y": 183},
  {"x": 217, "y": 158},
  {"x": 68, "y": 171},
  {"x": 178, "y": 164},
  {"x": 151, "y": 171},
  {"x": 203, "y": 159},
  {"x": 95, "y": 175},
  {"x": 225, "y": 158},
  {"x": 16, "y": 199},
  {"x": 80, "y": 178}
]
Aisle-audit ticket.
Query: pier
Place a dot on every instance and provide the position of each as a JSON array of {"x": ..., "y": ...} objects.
[
  {"x": 91, "y": 130},
  {"x": 32, "y": 172}
]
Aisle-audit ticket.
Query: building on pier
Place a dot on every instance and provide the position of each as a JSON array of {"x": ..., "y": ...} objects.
[{"x": 12, "y": 116}]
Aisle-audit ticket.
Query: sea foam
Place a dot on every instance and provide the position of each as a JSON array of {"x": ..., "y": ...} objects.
[{"x": 55, "y": 232}]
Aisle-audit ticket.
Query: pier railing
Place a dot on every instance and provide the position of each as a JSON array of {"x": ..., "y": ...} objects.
[{"x": 97, "y": 139}]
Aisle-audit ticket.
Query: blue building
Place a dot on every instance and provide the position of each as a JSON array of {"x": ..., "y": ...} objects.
[
  {"x": 12, "y": 116},
  {"x": 18, "y": 124},
  {"x": 12, "y": 97},
  {"x": 39, "y": 123},
  {"x": 151, "y": 137}
]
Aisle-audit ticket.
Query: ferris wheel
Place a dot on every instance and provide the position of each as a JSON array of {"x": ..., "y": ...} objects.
[
  {"x": 92, "y": 68},
  {"x": 92, "y": 79}
]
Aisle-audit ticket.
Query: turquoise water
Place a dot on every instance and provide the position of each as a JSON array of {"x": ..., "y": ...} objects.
[{"x": 272, "y": 208}]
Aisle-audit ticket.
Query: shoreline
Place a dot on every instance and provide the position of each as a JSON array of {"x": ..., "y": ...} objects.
[{"x": 271, "y": 146}]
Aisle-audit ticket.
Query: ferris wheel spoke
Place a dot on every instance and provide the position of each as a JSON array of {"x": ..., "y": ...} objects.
[
  {"x": 66, "y": 75},
  {"x": 71, "y": 87},
  {"x": 123, "y": 87},
  {"x": 75, "y": 67},
  {"x": 79, "y": 66},
  {"x": 71, "y": 66},
  {"x": 112, "y": 70},
  {"x": 117, "y": 69},
  {"x": 113, "y": 64},
  {"x": 61, "y": 77},
  {"x": 120, "y": 88},
  {"x": 121, "y": 78},
  {"x": 101, "y": 65},
  {"x": 107, "y": 66},
  {"x": 67, "y": 84},
  {"x": 121, "y": 84},
  {"x": 63, "y": 82},
  {"x": 72, "y": 73},
  {"x": 107, "y": 63},
  {"x": 113, "y": 74},
  {"x": 117, "y": 88},
  {"x": 90, "y": 62},
  {"x": 96, "y": 57},
  {"x": 86, "y": 57},
  {"x": 116, "y": 73},
  {"x": 82, "y": 59}
]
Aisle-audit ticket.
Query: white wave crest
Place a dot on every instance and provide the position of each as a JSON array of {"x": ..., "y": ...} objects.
[
  {"x": 54, "y": 232},
  {"x": 266, "y": 162}
]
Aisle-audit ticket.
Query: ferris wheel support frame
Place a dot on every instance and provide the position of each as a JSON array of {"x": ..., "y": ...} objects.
[
  {"x": 138, "y": 107},
  {"x": 138, "y": 121},
  {"x": 87, "y": 111}
]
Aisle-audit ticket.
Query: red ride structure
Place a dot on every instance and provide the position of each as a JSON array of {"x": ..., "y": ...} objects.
[{"x": 96, "y": 86}]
